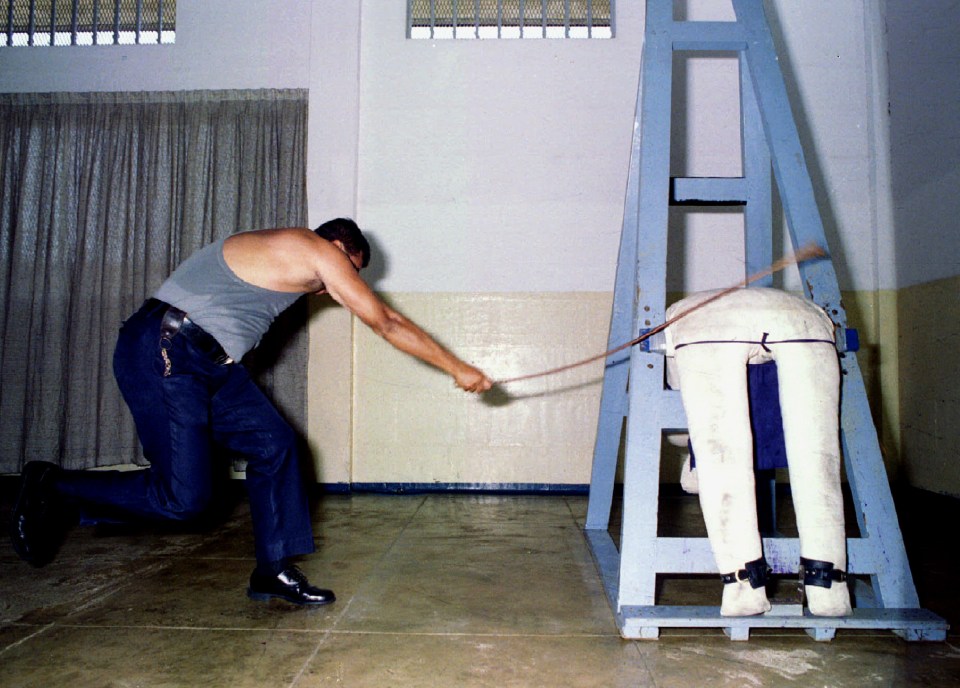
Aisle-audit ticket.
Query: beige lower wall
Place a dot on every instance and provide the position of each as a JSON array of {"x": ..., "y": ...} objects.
[
  {"x": 330, "y": 392},
  {"x": 929, "y": 320},
  {"x": 412, "y": 425},
  {"x": 378, "y": 416}
]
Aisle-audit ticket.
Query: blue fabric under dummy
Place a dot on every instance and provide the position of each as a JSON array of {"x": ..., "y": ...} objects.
[{"x": 766, "y": 422}]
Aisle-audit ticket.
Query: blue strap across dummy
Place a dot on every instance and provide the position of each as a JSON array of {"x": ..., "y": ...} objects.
[{"x": 766, "y": 421}]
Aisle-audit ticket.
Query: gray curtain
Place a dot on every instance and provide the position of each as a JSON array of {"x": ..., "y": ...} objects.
[{"x": 101, "y": 196}]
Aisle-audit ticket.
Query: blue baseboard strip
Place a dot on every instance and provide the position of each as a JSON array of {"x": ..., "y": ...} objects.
[{"x": 513, "y": 489}]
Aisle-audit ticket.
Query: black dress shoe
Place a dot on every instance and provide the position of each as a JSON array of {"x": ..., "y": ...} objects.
[
  {"x": 290, "y": 585},
  {"x": 37, "y": 526}
]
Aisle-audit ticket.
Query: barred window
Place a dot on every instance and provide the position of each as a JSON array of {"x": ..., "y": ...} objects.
[
  {"x": 433, "y": 19},
  {"x": 87, "y": 22}
]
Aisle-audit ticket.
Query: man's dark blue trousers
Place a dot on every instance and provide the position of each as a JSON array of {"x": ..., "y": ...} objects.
[{"x": 190, "y": 405}]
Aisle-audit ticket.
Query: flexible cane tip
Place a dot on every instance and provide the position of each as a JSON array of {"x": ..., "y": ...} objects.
[{"x": 809, "y": 252}]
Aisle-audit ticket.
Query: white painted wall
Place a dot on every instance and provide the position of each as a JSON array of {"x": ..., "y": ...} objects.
[
  {"x": 828, "y": 54},
  {"x": 501, "y": 165},
  {"x": 495, "y": 165},
  {"x": 924, "y": 62}
]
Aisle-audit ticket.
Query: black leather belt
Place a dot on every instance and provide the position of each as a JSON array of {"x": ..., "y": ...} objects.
[{"x": 175, "y": 322}]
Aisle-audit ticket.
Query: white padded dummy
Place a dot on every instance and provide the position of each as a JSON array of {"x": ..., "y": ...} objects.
[{"x": 711, "y": 348}]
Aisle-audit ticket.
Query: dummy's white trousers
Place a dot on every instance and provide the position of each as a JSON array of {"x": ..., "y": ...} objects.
[{"x": 712, "y": 347}]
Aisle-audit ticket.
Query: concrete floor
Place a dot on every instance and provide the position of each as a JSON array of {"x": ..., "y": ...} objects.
[{"x": 434, "y": 590}]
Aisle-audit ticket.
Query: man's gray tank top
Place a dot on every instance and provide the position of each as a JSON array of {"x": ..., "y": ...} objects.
[{"x": 236, "y": 313}]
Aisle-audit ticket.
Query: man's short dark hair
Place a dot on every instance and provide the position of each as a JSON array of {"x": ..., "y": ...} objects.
[{"x": 347, "y": 232}]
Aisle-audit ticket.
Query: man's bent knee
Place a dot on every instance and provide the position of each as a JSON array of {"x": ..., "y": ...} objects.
[{"x": 184, "y": 506}]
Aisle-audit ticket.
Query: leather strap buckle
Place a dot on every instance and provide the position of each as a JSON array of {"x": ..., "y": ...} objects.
[{"x": 755, "y": 571}]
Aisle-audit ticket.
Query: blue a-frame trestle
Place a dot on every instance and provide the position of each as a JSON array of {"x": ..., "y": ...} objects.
[{"x": 884, "y": 595}]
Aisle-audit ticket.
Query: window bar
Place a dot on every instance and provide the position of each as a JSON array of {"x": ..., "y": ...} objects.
[
  {"x": 139, "y": 20},
  {"x": 589, "y": 18},
  {"x": 433, "y": 18},
  {"x": 53, "y": 23},
  {"x": 159, "y": 22},
  {"x": 613, "y": 18},
  {"x": 566, "y": 18},
  {"x": 10, "y": 23},
  {"x": 116, "y": 22},
  {"x": 96, "y": 21},
  {"x": 32, "y": 23},
  {"x": 543, "y": 18},
  {"x": 476, "y": 18},
  {"x": 499, "y": 20},
  {"x": 74, "y": 21},
  {"x": 523, "y": 15}
]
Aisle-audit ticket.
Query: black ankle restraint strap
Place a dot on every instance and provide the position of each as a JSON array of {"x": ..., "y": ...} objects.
[
  {"x": 755, "y": 571},
  {"x": 820, "y": 573}
]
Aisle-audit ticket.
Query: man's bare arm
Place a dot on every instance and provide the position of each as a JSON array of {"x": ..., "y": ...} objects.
[{"x": 348, "y": 289}]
